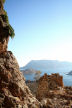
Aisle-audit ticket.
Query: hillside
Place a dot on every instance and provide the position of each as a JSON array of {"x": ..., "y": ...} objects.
[
  {"x": 53, "y": 65},
  {"x": 28, "y": 71},
  {"x": 70, "y": 73}
]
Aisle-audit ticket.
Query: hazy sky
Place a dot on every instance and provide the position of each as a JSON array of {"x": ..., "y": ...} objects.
[{"x": 43, "y": 29}]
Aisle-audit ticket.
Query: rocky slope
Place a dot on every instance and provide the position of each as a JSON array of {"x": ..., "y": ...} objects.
[
  {"x": 51, "y": 92},
  {"x": 15, "y": 94},
  {"x": 28, "y": 71},
  {"x": 13, "y": 91}
]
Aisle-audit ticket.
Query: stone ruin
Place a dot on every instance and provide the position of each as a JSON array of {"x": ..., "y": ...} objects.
[{"x": 47, "y": 83}]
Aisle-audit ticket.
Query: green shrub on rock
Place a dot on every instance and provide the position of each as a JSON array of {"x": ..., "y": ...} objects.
[
  {"x": 11, "y": 31},
  {"x": 5, "y": 19},
  {"x": 3, "y": 1}
]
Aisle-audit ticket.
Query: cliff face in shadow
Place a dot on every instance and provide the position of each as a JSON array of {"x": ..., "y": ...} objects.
[{"x": 4, "y": 30}]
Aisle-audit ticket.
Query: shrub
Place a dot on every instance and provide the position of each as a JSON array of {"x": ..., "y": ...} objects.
[
  {"x": 5, "y": 17},
  {"x": 11, "y": 30},
  {"x": 3, "y": 1}
]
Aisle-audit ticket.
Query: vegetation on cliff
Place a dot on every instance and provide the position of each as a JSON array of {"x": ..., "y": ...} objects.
[
  {"x": 6, "y": 20},
  {"x": 3, "y": 1},
  {"x": 10, "y": 28},
  {"x": 6, "y": 29}
]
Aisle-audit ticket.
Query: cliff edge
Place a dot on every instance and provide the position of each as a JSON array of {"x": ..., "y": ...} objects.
[{"x": 13, "y": 91}]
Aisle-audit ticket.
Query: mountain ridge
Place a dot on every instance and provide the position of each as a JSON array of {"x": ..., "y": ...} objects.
[{"x": 48, "y": 64}]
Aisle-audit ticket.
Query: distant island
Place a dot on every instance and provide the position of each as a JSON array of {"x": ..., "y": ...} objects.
[
  {"x": 28, "y": 71},
  {"x": 70, "y": 73},
  {"x": 49, "y": 65}
]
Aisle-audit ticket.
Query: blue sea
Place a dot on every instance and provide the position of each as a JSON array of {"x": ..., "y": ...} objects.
[{"x": 67, "y": 79}]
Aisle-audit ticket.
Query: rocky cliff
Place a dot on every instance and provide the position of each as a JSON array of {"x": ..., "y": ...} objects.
[
  {"x": 13, "y": 91},
  {"x": 6, "y": 30},
  {"x": 3, "y": 30}
]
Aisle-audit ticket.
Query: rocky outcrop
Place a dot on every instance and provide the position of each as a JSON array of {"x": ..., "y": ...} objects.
[
  {"x": 58, "y": 97},
  {"x": 13, "y": 91},
  {"x": 52, "y": 93},
  {"x": 61, "y": 98},
  {"x": 4, "y": 30},
  {"x": 47, "y": 83}
]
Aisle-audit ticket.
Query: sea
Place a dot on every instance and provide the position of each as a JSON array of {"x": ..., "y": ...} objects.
[{"x": 67, "y": 79}]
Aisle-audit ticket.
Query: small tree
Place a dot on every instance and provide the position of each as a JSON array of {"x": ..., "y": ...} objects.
[{"x": 37, "y": 75}]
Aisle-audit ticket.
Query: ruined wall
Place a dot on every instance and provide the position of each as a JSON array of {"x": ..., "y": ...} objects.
[{"x": 48, "y": 83}]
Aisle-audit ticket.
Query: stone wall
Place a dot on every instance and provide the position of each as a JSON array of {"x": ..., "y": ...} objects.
[{"x": 47, "y": 83}]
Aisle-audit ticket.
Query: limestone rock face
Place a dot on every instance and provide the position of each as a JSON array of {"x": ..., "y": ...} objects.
[
  {"x": 47, "y": 83},
  {"x": 4, "y": 30},
  {"x": 13, "y": 91}
]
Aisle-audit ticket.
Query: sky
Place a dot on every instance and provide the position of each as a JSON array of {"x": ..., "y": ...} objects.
[{"x": 43, "y": 29}]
